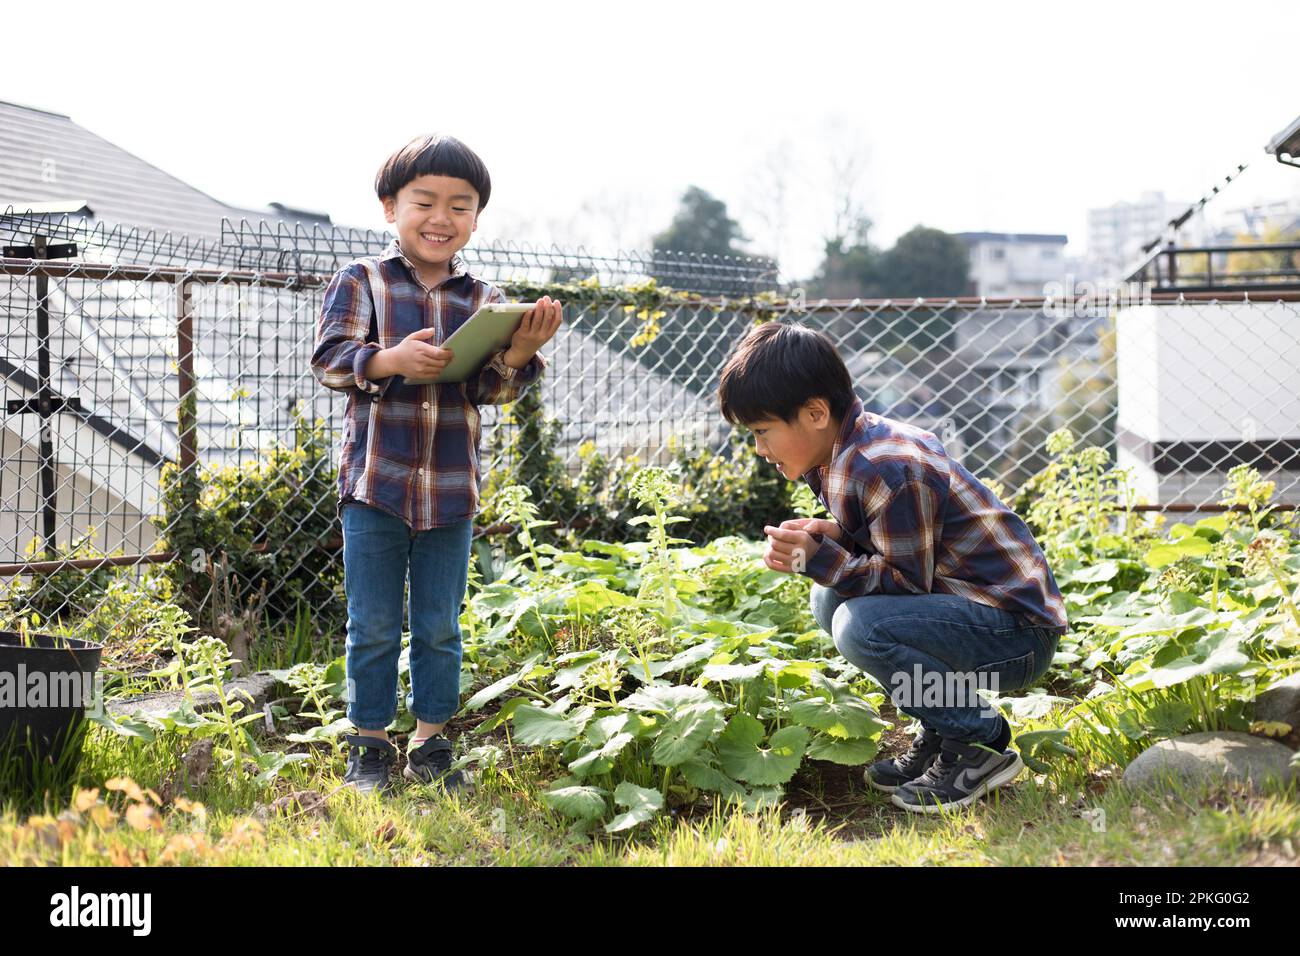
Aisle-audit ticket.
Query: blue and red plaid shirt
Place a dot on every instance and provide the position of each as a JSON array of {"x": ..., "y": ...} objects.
[
  {"x": 920, "y": 523},
  {"x": 410, "y": 450}
]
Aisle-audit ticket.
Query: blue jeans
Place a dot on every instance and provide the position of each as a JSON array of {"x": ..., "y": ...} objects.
[
  {"x": 933, "y": 653},
  {"x": 379, "y": 553}
]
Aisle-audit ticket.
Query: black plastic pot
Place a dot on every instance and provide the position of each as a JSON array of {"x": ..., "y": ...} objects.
[{"x": 44, "y": 731}]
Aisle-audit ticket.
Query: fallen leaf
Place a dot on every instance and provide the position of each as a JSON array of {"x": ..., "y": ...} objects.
[
  {"x": 141, "y": 816},
  {"x": 126, "y": 785}
]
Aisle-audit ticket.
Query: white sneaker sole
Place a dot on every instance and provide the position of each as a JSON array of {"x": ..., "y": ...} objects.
[
  {"x": 999, "y": 779},
  {"x": 469, "y": 784}
]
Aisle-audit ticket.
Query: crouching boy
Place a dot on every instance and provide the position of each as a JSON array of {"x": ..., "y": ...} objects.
[{"x": 925, "y": 580}]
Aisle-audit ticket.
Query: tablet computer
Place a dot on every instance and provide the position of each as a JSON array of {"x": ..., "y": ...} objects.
[{"x": 487, "y": 330}]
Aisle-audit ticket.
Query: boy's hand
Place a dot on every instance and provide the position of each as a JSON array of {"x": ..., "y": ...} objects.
[
  {"x": 830, "y": 529},
  {"x": 538, "y": 327},
  {"x": 413, "y": 357},
  {"x": 789, "y": 549}
]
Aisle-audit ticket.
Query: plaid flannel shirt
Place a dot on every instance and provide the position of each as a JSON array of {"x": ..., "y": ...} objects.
[
  {"x": 920, "y": 523},
  {"x": 410, "y": 450}
]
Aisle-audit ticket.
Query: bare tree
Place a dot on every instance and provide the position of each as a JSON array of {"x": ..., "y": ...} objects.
[{"x": 847, "y": 161}]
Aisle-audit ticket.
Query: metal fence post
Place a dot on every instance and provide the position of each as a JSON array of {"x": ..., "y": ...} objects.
[{"x": 46, "y": 403}]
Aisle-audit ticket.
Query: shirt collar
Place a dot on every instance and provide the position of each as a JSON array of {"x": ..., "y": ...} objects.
[
  {"x": 394, "y": 251},
  {"x": 848, "y": 425}
]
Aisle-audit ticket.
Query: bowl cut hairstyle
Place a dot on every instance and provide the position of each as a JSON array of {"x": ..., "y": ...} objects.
[
  {"x": 434, "y": 155},
  {"x": 777, "y": 367}
]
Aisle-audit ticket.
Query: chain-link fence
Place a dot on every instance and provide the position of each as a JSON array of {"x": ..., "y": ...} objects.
[{"x": 125, "y": 351}]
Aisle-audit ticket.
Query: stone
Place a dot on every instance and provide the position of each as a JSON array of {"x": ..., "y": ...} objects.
[
  {"x": 1212, "y": 757},
  {"x": 1280, "y": 703},
  {"x": 255, "y": 690}
]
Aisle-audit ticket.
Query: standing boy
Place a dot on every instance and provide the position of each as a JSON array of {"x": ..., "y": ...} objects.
[
  {"x": 409, "y": 472},
  {"x": 926, "y": 580}
]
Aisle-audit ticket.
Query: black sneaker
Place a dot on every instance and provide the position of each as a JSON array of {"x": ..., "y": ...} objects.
[
  {"x": 431, "y": 763},
  {"x": 890, "y": 774},
  {"x": 961, "y": 775},
  {"x": 370, "y": 763}
]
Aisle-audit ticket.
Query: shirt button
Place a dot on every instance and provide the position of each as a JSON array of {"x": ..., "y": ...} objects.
[
  {"x": 421, "y": 471},
  {"x": 426, "y": 404}
]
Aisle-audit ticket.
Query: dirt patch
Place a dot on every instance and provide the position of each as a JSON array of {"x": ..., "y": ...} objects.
[{"x": 839, "y": 797}]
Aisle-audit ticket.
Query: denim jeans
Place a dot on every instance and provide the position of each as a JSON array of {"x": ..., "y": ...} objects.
[
  {"x": 933, "y": 653},
  {"x": 379, "y": 553}
]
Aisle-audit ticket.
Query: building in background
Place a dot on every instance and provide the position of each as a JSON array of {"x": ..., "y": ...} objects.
[
  {"x": 49, "y": 160},
  {"x": 1258, "y": 220},
  {"x": 1007, "y": 264},
  {"x": 1117, "y": 233}
]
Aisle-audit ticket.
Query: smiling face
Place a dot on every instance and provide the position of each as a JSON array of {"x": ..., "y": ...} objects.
[
  {"x": 435, "y": 216},
  {"x": 800, "y": 446}
]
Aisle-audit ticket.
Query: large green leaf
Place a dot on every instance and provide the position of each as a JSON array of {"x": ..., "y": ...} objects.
[
  {"x": 1172, "y": 623},
  {"x": 746, "y": 757},
  {"x": 668, "y": 700},
  {"x": 684, "y": 659},
  {"x": 734, "y": 672},
  {"x": 641, "y": 803},
  {"x": 1222, "y": 657},
  {"x": 702, "y": 774},
  {"x": 497, "y": 688},
  {"x": 537, "y": 728},
  {"x": 592, "y": 596},
  {"x": 582, "y": 803},
  {"x": 1095, "y": 573},
  {"x": 685, "y": 733},
  {"x": 848, "y": 752},
  {"x": 601, "y": 759},
  {"x": 1166, "y": 553},
  {"x": 567, "y": 678},
  {"x": 837, "y": 711}
]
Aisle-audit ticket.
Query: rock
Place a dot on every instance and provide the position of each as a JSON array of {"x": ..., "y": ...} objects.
[
  {"x": 1281, "y": 703},
  {"x": 193, "y": 770},
  {"x": 255, "y": 690},
  {"x": 309, "y": 802},
  {"x": 1211, "y": 757}
]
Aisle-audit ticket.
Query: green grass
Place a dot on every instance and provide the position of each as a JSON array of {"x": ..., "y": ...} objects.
[{"x": 831, "y": 818}]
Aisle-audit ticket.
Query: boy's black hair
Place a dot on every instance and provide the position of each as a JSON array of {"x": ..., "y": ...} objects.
[
  {"x": 777, "y": 367},
  {"x": 434, "y": 155}
]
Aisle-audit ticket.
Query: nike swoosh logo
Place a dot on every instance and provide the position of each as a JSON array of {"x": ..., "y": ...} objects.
[{"x": 969, "y": 778}]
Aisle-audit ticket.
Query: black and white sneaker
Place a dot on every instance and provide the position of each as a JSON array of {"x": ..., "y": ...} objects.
[
  {"x": 370, "y": 763},
  {"x": 961, "y": 775},
  {"x": 431, "y": 763},
  {"x": 891, "y": 773}
]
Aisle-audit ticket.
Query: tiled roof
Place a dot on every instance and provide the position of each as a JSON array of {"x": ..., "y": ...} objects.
[{"x": 46, "y": 157}]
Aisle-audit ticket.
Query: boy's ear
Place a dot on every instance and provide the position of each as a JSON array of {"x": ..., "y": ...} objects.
[
  {"x": 818, "y": 411},
  {"x": 390, "y": 209}
]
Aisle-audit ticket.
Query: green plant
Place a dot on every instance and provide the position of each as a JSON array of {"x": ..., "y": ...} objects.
[
  {"x": 67, "y": 592},
  {"x": 673, "y": 693},
  {"x": 653, "y": 488},
  {"x": 266, "y": 522}
]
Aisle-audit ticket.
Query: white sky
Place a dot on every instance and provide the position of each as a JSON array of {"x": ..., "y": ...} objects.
[{"x": 593, "y": 118}]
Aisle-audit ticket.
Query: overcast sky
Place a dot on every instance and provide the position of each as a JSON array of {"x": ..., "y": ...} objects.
[{"x": 593, "y": 118}]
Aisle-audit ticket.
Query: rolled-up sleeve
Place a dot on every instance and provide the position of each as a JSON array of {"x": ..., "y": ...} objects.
[
  {"x": 497, "y": 383},
  {"x": 345, "y": 335}
]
